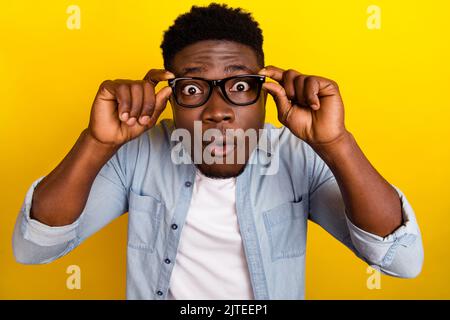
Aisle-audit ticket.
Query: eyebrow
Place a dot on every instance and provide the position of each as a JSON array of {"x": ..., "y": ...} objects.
[
  {"x": 238, "y": 67},
  {"x": 227, "y": 69}
]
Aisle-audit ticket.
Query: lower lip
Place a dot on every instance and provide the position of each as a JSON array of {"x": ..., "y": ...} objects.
[{"x": 220, "y": 151}]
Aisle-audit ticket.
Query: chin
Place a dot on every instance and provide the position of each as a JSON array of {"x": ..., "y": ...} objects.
[{"x": 221, "y": 171}]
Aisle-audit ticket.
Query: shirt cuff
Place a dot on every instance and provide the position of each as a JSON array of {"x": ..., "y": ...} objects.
[
  {"x": 381, "y": 250},
  {"x": 39, "y": 233}
]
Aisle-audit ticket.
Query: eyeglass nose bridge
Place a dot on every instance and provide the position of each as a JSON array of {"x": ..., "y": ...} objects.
[
  {"x": 220, "y": 83},
  {"x": 216, "y": 83}
]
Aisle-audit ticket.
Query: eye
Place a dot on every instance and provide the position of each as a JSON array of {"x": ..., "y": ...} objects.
[
  {"x": 191, "y": 90},
  {"x": 240, "y": 86}
]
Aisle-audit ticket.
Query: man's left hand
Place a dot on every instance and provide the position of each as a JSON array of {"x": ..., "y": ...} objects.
[{"x": 310, "y": 106}]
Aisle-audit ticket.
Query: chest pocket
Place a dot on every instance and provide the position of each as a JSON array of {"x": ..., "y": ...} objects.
[
  {"x": 144, "y": 219},
  {"x": 286, "y": 229}
]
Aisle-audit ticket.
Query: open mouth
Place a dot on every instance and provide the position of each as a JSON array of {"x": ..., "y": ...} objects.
[{"x": 219, "y": 147}]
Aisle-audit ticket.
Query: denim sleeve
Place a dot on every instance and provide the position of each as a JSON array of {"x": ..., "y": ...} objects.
[
  {"x": 399, "y": 254},
  {"x": 37, "y": 243}
]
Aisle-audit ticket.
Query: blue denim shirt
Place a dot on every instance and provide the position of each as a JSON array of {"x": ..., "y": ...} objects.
[{"x": 272, "y": 211}]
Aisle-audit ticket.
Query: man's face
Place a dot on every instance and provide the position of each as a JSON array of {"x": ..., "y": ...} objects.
[{"x": 213, "y": 60}]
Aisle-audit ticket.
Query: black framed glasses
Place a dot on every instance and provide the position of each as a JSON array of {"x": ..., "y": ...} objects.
[{"x": 240, "y": 90}]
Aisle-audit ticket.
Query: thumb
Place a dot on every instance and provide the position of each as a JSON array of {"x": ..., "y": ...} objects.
[
  {"x": 162, "y": 97},
  {"x": 282, "y": 102}
]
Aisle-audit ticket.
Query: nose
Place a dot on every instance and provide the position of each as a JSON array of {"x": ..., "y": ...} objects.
[{"x": 217, "y": 109}]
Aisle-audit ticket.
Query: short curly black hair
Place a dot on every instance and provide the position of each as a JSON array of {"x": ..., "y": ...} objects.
[{"x": 213, "y": 22}]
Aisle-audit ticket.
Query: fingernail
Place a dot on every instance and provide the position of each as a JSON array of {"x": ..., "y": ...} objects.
[
  {"x": 144, "y": 119},
  {"x": 131, "y": 121},
  {"x": 125, "y": 116},
  {"x": 315, "y": 106}
]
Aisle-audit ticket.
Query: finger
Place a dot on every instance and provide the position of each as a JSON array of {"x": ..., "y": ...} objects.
[
  {"x": 272, "y": 72},
  {"x": 161, "y": 99},
  {"x": 156, "y": 75},
  {"x": 107, "y": 91},
  {"x": 288, "y": 83},
  {"x": 299, "y": 83},
  {"x": 281, "y": 100},
  {"x": 148, "y": 104},
  {"x": 123, "y": 96},
  {"x": 137, "y": 96},
  {"x": 311, "y": 92}
]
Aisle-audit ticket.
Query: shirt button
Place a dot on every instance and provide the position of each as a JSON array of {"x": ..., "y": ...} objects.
[
  {"x": 159, "y": 293},
  {"x": 188, "y": 184},
  {"x": 174, "y": 226},
  {"x": 167, "y": 261}
]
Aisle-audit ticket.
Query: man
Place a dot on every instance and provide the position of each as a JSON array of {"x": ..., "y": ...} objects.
[{"x": 218, "y": 230}]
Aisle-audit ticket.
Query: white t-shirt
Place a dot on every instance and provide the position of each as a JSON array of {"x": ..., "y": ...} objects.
[{"x": 210, "y": 262}]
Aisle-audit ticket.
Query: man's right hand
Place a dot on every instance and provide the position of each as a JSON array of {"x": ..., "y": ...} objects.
[{"x": 124, "y": 109}]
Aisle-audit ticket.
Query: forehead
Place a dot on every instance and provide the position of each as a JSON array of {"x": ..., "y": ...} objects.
[{"x": 215, "y": 58}]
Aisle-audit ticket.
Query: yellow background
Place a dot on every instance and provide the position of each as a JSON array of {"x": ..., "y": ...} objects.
[{"x": 395, "y": 83}]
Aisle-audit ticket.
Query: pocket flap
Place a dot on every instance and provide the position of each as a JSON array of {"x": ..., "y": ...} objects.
[{"x": 143, "y": 202}]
